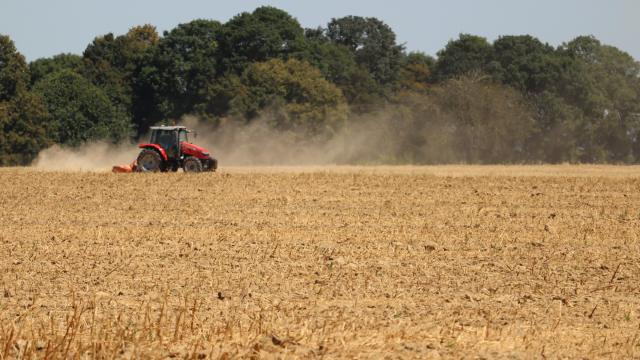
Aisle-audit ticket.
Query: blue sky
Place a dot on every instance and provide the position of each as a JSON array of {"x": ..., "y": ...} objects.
[{"x": 42, "y": 28}]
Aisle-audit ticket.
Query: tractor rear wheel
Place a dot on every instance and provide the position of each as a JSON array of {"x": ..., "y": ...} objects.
[
  {"x": 149, "y": 161},
  {"x": 192, "y": 165}
]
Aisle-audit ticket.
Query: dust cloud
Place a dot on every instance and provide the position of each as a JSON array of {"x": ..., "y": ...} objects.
[
  {"x": 236, "y": 143},
  {"x": 89, "y": 157},
  {"x": 365, "y": 141}
]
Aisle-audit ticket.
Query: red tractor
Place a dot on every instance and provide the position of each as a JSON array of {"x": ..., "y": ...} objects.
[{"x": 169, "y": 149}]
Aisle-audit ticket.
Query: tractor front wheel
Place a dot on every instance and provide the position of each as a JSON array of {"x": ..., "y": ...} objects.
[
  {"x": 149, "y": 161},
  {"x": 209, "y": 164},
  {"x": 192, "y": 165}
]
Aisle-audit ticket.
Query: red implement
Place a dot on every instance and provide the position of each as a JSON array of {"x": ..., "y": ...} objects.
[{"x": 125, "y": 168}]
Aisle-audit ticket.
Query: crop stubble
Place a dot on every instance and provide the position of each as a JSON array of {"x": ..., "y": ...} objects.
[{"x": 339, "y": 262}]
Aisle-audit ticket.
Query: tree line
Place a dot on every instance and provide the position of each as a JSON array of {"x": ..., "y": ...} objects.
[{"x": 514, "y": 100}]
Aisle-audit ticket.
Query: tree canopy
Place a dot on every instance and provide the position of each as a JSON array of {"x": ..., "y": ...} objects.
[
  {"x": 175, "y": 74},
  {"x": 14, "y": 73},
  {"x": 373, "y": 43},
  {"x": 23, "y": 117},
  {"x": 45, "y": 66},
  {"x": 79, "y": 110},
  {"x": 264, "y": 34},
  {"x": 467, "y": 54},
  {"x": 295, "y": 92}
]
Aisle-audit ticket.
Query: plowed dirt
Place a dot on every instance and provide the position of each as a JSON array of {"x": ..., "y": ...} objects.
[{"x": 414, "y": 262}]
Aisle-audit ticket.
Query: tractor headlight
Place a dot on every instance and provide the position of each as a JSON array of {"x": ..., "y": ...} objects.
[{"x": 205, "y": 153}]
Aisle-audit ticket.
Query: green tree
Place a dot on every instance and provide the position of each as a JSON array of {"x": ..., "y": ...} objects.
[
  {"x": 338, "y": 65},
  {"x": 525, "y": 63},
  {"x": 373, "y": 43},
  {"x": 14, "y": 73},
  {"x": 23, "y": 118},
  {"x": 468, "y": 54},
  {"x": 415, "y": 73},
  {"x": 45, "y": 66},
  {"x": 264, "y": 34},
  {"x": 554, "y": 138},
  {"x": 336, "y": 62},
  {"x": 540, "y": 72},
  {"x": 80, "y": 111},
  {"x": 217, "y": 98},
  {"x": 603, "y": 82},
  {"x": 177, "y": 73},
  {"x": 293, "y": 93},
  {"x": 110, "y": 62},
  {"x": 492, "y": 122},
  {"x": 23, "y": 129}
]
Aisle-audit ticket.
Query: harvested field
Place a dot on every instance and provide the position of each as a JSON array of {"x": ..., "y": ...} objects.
[{"x": 415, "y": 262}]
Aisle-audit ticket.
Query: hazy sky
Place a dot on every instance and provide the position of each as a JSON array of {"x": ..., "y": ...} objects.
[{"x": 43, "y": 28}]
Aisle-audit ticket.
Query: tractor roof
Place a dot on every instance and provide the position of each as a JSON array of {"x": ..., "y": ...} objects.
[{"x": 168, "y": 128}]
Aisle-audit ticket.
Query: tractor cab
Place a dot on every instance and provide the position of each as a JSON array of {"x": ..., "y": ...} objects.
[
  {"x": 169, "y": 149},
  {"x": 169, "y": 139}
]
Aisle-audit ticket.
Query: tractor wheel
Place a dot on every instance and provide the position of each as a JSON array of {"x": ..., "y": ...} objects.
[
  {"x": 210, "y": 164},
  {"x": 149, "y": 161},
  {"x": 192, "y": 165}
]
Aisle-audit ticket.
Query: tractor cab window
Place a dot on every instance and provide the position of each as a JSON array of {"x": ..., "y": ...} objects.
[
  {"x": 166, "y": 140},
  {"x": 182, "y": 136}
]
